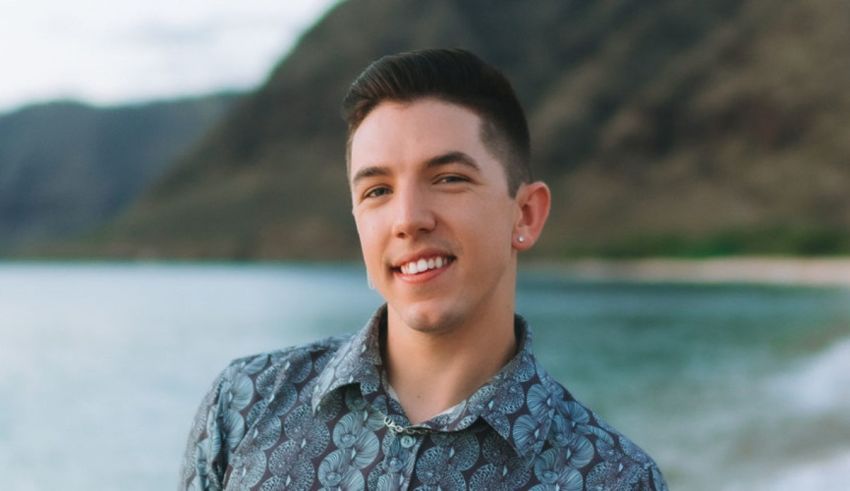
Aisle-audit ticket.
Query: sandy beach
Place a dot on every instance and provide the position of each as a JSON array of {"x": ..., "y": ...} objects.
[{"x": 769, "y": 270}]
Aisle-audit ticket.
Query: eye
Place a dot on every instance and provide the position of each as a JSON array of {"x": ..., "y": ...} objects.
[
  {"x": 451, "y": 178},
  {"x": 376, "y": 192}
]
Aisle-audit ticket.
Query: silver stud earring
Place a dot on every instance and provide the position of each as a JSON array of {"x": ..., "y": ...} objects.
[{"x": 520, "y": 239}]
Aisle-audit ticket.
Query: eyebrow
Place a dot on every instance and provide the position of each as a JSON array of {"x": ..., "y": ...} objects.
[
  {"x": 455, "y": 157},
  {"x": 366, "y": 172}
]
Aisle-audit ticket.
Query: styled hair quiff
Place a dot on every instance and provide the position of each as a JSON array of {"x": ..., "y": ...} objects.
[{"x": 455, "y": 76}]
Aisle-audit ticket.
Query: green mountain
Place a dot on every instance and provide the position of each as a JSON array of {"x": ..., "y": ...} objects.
[
  {"x": 663, "y": 127},
  {"x": 66, "y": 168}
]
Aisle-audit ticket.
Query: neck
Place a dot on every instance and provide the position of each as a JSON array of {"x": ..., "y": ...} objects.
[{"x": 432, "y": 371}]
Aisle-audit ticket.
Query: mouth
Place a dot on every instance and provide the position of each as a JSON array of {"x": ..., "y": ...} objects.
[{"x": 423, "y": 265}]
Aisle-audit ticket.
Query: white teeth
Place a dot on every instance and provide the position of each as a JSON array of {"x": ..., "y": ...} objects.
[{"x": 421, "y": 265}]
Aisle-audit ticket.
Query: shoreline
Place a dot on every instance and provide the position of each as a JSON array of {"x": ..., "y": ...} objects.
[
  {"x": 769, "y": 270},
  {"x": 788, "y": 271}
]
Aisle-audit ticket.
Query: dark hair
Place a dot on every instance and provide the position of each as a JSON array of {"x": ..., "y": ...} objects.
[{"x": 455, "y": 76}]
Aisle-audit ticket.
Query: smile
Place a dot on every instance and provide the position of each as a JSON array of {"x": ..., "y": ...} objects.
[{"x": 423, "y": 264}]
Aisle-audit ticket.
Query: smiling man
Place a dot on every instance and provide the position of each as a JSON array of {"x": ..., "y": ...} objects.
[{"x": 440, "y": 390}]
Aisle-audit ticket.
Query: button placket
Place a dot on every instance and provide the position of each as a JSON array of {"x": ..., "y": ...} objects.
[
  {"x": 407, "y": 441},
  {"x": 403, "y": 443}
]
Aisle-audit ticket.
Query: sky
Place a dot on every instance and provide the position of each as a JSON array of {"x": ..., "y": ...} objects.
[{"x": 122, "y": 51}]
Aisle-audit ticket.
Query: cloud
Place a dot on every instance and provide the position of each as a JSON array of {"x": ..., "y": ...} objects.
[{"x": 110, "y": 52}]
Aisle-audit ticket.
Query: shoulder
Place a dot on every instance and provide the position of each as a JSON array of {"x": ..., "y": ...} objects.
[
  {"x": 286, "y": 360},
  {"x": 589, "y": 448},
  {"x": 239, "y": 397},
  {"x": 248, "y": 385},
  {"x": 263, "y": 374}
]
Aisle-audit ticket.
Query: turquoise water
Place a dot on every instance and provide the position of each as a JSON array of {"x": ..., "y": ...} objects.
[{"x": 728, "y": 387}]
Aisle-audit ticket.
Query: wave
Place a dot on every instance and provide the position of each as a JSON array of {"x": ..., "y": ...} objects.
[
  {"x": 821, "y": 383},
  {"x": 827, "y": 474}
]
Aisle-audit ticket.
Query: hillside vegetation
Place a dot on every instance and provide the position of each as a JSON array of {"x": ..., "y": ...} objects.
[
  {"x": 664, "y": 128},
  {"x": 67, "y": 168}
]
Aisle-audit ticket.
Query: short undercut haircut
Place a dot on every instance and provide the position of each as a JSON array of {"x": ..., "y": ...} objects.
[{"x": 455, "y": 76}]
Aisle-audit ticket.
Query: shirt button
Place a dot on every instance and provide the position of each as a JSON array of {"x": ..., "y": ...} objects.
[{"x": 407, "y": 441}]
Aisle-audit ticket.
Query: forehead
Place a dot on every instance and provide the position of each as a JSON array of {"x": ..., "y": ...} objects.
[{"x": 396, "y": 133}]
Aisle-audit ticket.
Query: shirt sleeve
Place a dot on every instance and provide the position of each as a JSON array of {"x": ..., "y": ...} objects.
[
  {"x": 205, "y": 458},
  {"x": 652, "y": 479}
]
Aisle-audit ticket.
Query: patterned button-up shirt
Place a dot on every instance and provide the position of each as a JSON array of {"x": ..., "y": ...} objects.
[{"x": 320, "y": 417}]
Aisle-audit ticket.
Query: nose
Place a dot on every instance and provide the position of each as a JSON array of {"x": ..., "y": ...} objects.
[{"x": 413, "y": 214}]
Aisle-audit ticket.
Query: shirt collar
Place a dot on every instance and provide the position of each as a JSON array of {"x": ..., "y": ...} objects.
[
  {"x": 518, "y": 402},
  {"x": 357, "y": 361}
]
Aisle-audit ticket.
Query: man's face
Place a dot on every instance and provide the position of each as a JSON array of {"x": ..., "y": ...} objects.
[{"x": 433, "y": 213}]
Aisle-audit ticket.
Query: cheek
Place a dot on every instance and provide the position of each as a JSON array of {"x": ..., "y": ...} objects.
[
  {"x": 492, "y": 224},
  {"x": 370, "y": 239}
]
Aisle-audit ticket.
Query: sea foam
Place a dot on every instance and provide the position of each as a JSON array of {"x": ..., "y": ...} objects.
[
  {"x": 821, "y": 383},
  {"x": 827, "y": 474}
]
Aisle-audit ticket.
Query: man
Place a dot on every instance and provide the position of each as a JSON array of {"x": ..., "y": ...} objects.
[{"x": 440, "y": 390}]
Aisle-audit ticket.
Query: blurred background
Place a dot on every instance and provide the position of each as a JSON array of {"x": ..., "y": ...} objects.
[{"x": 172, "y": 196}]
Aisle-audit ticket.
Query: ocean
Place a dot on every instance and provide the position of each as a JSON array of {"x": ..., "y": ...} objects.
[{"x": 728, "y": 387}]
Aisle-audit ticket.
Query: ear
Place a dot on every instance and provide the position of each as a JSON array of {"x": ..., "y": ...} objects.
[{"x": 533, "y": 200}]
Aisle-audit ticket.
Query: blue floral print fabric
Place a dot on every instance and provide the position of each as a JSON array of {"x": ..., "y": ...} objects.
[{"x": 319, "y": 417}]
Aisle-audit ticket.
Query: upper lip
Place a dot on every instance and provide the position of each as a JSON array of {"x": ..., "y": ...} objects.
[{"x": 423, "y": 254}]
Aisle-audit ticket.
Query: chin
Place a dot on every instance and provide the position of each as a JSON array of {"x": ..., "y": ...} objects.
[{"x": 427, "y": 318}]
